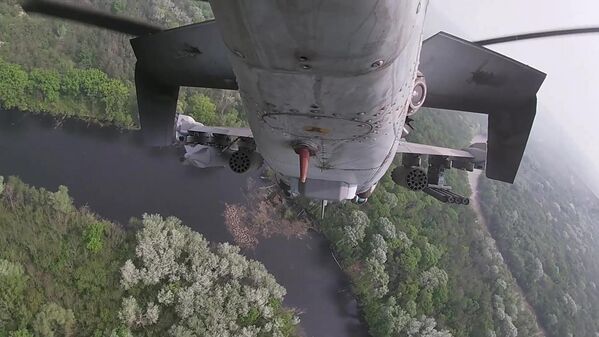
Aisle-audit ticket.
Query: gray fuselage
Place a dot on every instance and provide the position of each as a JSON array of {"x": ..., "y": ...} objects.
[{"x": 336, "y": 75}]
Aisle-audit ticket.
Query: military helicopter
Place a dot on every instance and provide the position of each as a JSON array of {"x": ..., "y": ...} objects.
[{"x": 328, "y": 87}]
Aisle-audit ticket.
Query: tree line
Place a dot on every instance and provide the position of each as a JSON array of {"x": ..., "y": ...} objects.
[
  {"x": 82, "y": 93},
  {"x": 53, "y": 66},
  {"x": 90, "y": 94}
]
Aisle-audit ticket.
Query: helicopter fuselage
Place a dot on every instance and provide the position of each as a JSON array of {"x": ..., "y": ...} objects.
[{"x": 335, "y": 77}]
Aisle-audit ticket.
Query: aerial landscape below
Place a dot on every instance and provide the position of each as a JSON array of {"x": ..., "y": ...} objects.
[{"x": 102, "y": 236}]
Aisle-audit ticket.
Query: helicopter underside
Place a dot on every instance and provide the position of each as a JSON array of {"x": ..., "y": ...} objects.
[{"x": 340, "y": 91}]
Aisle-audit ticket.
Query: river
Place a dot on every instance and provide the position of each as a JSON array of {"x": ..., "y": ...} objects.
[{"x": 111, "y": 172}]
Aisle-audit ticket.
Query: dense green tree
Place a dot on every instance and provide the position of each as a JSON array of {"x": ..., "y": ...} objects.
[
  {"x": 386, "y": 228},
  {"x": 94, "y": 236},
  {"x": 349, "y": 243},
  {"x": 70, "y": 84},
  {"x": 92, "y": 82},
  {"x": 61, "y": 201},
  {"x": 53, "y": 320},
  {"x": 13, "y": 314},
  {"x": 115, "y": 95},
  {"x": 46, "y": 83},
  {"x": 13, "y": 85},
  {"x": 202, "y": 109},
  {"x": 430, "y": 256},
  {"x": 20, "y": 333}
]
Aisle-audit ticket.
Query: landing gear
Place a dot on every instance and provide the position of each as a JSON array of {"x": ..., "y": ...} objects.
[
  {"x": 359, "y": 201},
  {"x": 362, "y": 197}
]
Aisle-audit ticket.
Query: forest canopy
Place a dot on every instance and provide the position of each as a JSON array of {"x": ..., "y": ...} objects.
[
  {"x": 70, "y": 70},
  {"x": 64, "y": 272}
]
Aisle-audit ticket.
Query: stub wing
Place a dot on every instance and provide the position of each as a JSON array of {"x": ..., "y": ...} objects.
[
  {"x": 192, "y": 56},
  {"x": 422, "y": 149},
  {"x": 214, "y": 146},
  {"x": 472, "y": 157},
  {"x": 233, "y": 132},
  {"x": 189, "y": 127}
]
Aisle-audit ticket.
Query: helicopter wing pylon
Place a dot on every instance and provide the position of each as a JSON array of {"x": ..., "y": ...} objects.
[
  {"x": 191, "y": 56},
  {"x": 466, "y": 76}
]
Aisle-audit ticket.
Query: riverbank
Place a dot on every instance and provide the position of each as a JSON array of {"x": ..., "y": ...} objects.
[
  {"x": 92, "y": 96},
  {"x": 88, "y": 94},
  {"x": 62, "y": 258},
  {"x": 109, "y": 170}
]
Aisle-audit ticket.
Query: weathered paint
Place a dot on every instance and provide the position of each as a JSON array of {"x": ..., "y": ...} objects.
[{"x": 336, "y": 74}]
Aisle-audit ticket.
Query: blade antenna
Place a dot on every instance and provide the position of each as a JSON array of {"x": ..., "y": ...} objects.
[{"x": 323, "y": 207}]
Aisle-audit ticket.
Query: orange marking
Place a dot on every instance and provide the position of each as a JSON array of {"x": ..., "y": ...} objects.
[{"x": 316, "y": 129}]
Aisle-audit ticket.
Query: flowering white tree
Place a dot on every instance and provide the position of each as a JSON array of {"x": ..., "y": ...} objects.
[
  {"x": 352, "y": 237},
  {"x": 506, "y": 326},
  {"x": 202, "y": 290},
  {"x": 389, "y": 199},
  {"x": 570, "y": 304},
  {"x": 375, "y": 272},
  {"x": 378, "y": 248},
  {"x": 359, "y": 220},
  {"x": 538, "y": 271},
  {"x": 433, "y": 278},
  {"x": 386, "y": 228},
  {"x": 425, "y": 327},
  {"x": 404, "y": 241},
  {"x": 61, "y": 201},
  {"x": 393, "y": 320}
]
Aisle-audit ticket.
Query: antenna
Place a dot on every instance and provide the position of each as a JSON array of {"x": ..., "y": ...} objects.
[{"x": 323, "y": 207}]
